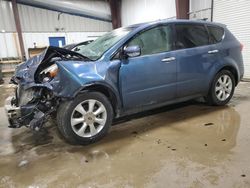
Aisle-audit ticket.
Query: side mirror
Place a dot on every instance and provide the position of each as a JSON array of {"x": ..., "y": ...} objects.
[{"x": 132, "y": 51}]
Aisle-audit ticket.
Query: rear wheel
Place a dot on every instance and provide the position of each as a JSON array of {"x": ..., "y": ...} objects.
[
  {"x": 86, "y": 119},
  {"x": 222, "y": 88}
]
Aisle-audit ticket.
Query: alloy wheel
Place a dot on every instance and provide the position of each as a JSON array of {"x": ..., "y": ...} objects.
[
  {"x": 223, "y": 87},
  {"x": 88, "y": 118}
]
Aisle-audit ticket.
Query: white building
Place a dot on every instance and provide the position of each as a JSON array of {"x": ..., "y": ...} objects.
[{"x": 38, "y": 24}]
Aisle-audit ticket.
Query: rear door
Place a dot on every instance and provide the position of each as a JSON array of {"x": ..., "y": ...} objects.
[
  {"x": 151, "y": 77},
  {"x": 195, "y": 59}
]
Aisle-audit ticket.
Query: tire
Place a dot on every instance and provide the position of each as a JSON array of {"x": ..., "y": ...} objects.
[
  {"x": 224, "y": 81},
  {"x": 79, "y": 125}
]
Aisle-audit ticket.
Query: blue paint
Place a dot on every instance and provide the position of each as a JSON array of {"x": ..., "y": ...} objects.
[{"x": 57, "y": 41}]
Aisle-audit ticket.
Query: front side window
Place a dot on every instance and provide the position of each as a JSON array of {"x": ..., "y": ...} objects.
[
  {"x": 216, "y": 34},
  {"x": 156, "y": 40},
  {"x": 189, "y": 36}
]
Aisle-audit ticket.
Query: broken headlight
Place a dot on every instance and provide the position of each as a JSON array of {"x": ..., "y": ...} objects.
[
  {"x": 49, "y": 73},
  {"x": 26, "y": 96}
]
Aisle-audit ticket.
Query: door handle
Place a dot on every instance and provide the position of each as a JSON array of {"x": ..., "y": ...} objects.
[
  {"x": 213, "y": 51},
  {"x": 168, "y": 59}
]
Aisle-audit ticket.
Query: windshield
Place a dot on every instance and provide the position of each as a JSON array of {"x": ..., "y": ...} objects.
[{"x": 96, "y": 49}]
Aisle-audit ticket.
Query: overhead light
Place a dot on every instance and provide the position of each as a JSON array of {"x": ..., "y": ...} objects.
[{"x": 3, "y": 31}]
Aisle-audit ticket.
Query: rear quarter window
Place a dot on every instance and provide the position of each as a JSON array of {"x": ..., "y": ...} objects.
[{"x": 216, "y": 34}]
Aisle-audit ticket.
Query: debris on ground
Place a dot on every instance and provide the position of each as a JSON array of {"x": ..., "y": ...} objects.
[
  {"x": 23, "y": 163},
  {"x": 134, "y": 132},
  {"x": 158, "y": 141},
  {"x": 208, "y": 124}
]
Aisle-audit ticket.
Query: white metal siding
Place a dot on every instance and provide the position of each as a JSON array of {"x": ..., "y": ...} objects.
[
  {"x": 39, "y": 24},
  {"x": 236, "y": 15},
  {"x": 42, "y": 39},
  {"x": 199, "y": 5},
  {"x": 200, "y": 9},
  {"x": 146, "y": 10},
  {"x": 40, "y": 20},
  {"x": 7, "y": 23},
  {"x": 9, "y": 46}
]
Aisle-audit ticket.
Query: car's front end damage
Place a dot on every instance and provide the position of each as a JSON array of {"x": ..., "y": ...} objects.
[
  {"x": 40, "y": 87},
  {"x": 30, "y": 107}
]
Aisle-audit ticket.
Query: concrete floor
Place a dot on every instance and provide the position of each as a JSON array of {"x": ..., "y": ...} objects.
[{"x": 185, "y": 145}]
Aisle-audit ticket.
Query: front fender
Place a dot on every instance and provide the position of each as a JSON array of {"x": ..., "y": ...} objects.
[{"x": 74, "y": 77}]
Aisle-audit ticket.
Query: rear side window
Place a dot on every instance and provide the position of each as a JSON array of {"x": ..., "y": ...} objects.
[
  {"x": 189, "y": 36},
  {"x": 216, "y": 34}
]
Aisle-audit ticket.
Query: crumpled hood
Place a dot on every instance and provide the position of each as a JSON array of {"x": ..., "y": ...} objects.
[{"x": 26, "y": 70}]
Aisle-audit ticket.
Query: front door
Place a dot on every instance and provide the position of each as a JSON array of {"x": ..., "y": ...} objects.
[{"x": 151, "y": 77}]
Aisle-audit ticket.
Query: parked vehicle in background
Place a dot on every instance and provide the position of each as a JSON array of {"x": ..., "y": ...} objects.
[
  {"x": 126, "y": 71},
  {"x": 77, "y": 46}
]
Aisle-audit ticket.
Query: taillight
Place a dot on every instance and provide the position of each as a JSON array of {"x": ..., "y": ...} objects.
[{"x": 241, "y": 47}]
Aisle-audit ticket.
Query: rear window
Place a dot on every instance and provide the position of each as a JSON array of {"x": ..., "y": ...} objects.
[
  {"x": 189, "y": 36},
  {"x": 216, "y": 34}
]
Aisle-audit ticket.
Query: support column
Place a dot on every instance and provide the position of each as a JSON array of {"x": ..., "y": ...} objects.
[
  {"x": 182, "y": 9},
  {"x": 115, "y": 7},
  {"x": 18, "y": 28}
]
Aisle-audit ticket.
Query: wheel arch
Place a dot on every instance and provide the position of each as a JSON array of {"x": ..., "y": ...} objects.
[
  {"x": 228, "y": 67},
  {"x": 106, "y": 90},
  {"x": 233, "y": 70}
]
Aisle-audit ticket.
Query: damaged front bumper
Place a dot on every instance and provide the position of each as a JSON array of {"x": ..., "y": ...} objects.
[{"x": 33, "y": 114}]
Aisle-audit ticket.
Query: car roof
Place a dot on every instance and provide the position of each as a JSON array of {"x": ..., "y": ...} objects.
[{"x": 165, "y": 21}]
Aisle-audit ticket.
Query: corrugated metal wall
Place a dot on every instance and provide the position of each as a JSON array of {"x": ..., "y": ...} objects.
[
  {"x": 146, "y": 10},
  {"x": 236, "y": 15},
  {"x": 9, "y": 46},
  {"x": 8, "y": 39},
  {"x": 41, "y": 20},
  {"x": 6, "y": 17},
  {"x": 39, "y": 24},
  {"x": 200, "y": 9}
]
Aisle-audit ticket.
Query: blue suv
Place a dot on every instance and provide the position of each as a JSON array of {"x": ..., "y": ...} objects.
[{"x": 128, "y": 70}]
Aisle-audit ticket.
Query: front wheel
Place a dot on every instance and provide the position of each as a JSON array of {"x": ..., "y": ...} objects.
[
  {"x": 86, "y": 119},
  {"x": 222, "y": 88}
]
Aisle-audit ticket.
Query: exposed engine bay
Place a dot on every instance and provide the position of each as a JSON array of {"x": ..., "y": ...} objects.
[{"x": 37, "y": 83}]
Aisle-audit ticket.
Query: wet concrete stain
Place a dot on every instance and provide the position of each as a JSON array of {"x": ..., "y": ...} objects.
[{"x": 166, "y": 146}]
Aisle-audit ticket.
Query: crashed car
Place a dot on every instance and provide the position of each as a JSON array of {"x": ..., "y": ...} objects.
[{"x": 126, "y": 71}]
